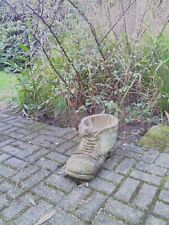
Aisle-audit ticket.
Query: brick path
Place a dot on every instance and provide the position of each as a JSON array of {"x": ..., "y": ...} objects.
[{"x": 132, "y": 188}]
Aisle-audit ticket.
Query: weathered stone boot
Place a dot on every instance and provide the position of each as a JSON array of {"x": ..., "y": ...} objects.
[{"x": 98, "y": 137}]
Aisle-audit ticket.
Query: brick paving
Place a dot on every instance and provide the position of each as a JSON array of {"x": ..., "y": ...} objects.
[{"x": 132, "y": 188}]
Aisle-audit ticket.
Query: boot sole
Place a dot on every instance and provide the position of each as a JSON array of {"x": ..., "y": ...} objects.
[{"x": 80, "y": 176}]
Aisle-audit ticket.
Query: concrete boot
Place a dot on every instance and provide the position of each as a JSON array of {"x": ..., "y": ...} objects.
[{"x": 98, "y": 137}]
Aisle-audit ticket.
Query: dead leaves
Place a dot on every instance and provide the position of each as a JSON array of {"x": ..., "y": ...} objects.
[{"x": 46, "y": 217}]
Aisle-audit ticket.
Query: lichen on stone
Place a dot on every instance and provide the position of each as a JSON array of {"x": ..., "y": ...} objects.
[{"x": 157, "y": 137}]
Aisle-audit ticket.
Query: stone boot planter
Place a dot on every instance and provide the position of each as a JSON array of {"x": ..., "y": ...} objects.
[{"x": 98, "y": 138}]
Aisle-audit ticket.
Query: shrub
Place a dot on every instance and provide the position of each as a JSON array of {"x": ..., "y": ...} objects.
[{"x": 12, "y": 39}]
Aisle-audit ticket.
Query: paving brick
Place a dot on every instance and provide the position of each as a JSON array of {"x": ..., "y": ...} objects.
[
  {"x": 163, "y": 160},
  {"x": 70, "y": 135},
  {"x": 34, "y": 179},
  {"x": 43, "y": 141},
  {"x": 51, "y": 194},
  {"x": 110, "y": 176},
  {"x": 150, "y": 156},
  {"x": 16, "y": 135},
  {"x": 3, "y": 115},
  {"x": 3, "y": 137},
  {"x": 133, "y": 148},
  {"x": 149, "y": 178},
  {"x": 125, "y": 166},
  {"x": 16, "y": 123},
  {"x": 151, "y": 220},
  {"x": 129, "y": 154},
  {"x": 164, "y": 195},
  {"x": 151, "y": 168},
  {"x": 6, "y": 142},
  {"x": 106, "y": 219},
  {"x": 88, "y": 210},
  {"x": 10, "y": 149},
  {"x": 167, "y": 183},
  {"x": 6, "y": 171},
  {"x": 58, "y": 157},
  {"x": 33, "y": 214},
  {"x": 28, "y": 138},
  {"x": 127, "y": 189},
  {"x": 15, "y": 163},
  {"x": 3, "y": 201},
  {"x": 145, "y": 196},
  {"x": 2, "y": 222},
  {"x": 73, "y": 199},
  {"x": 35, "y": 127},
  {"x": 61, "y": 182},
  {"x": 37, "y": 155},
  {"x": 25, "y": 154},
  {"x": 102, "y": 186},
  {"x": 4, "y": 127},
  {"x": 65, "y": 147},
  {"x": 25, "y": 173},
  {"x": 10, "y": 190},
  {"x": 9, "y": 130},
  {"x": 126, "y": 212},
  {"x": 112, "y": 162},
  {"x": 70, "y": 151},
  {"x": 9, "y": 119},
  {"x": 17, "y": 206},
  {"x": 44, "y": 179},
  {"x": 4, "y": 156},
  {"x": 25, "y": 146},
  {"x": 64, "y": 218},
  {"x": 162, "y": 209},
  {"x": 47, "y": 164},
  {"x": 57, "y": 131},
  {"x": 24, "y": 131}
]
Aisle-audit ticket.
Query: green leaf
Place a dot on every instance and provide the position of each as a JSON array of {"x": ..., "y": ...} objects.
[{"x": 24, "y": 47}]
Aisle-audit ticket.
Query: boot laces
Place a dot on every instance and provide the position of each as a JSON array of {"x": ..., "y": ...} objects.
[{"x": 88, "y": 146}]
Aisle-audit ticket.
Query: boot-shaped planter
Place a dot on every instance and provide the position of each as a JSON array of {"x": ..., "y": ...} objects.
[{"x": 98, "y": 138}]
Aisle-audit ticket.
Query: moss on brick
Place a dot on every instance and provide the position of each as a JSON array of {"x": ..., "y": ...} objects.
[{"x": 157, "y": 137}]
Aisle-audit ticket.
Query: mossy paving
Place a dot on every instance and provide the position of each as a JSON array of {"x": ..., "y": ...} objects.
[{"x": 82, "y": 211}]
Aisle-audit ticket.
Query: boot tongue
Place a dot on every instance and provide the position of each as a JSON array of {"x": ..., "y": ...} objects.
[{"x": 85, "y": 130}]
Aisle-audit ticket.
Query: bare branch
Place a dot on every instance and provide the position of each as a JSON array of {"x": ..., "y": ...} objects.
[
  {"x": 125, "y": 27},
  {"x": 141, "y": 22},
  {"x": 11, "y": 7},
  {"x": 51, "y": 64},
  {"x": 58, "y": 42},
  {"x": 163, "y": 28},
  {"x": 113, "y": 26},
  {"x": 93, "y": 31}
]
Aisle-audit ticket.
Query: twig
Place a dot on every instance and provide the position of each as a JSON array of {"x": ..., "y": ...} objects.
[
  {"x": 113, "y": 26},
  {"x": 141, "y": 22},
  {"x": 58, "y": 42},
  {"x": 163, "y": 28},
  {"x": 125, "y": 28},
  {"x": 10, "y": 6},
  {"x": 51, "y": 64},
  {"x": 93, "y": 31}
]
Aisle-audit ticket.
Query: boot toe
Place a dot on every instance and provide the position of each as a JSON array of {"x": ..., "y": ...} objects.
[{"x": 82, "y": 167}]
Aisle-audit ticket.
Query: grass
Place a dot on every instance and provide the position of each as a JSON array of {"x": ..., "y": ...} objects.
[{"x": 7, "y": 88}]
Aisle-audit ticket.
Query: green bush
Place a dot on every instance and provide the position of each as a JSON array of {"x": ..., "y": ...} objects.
[
  {"x": 38, "y": 91},
  {"x": 12, "y": 39},
  {"x": 136, "y": 77}
]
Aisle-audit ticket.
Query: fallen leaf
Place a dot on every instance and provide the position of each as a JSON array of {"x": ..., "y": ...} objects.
[
  {"x": 32, "y": 201},
  {"x": 46, "y": 217},
  {"x": 85, "y": 184}
]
